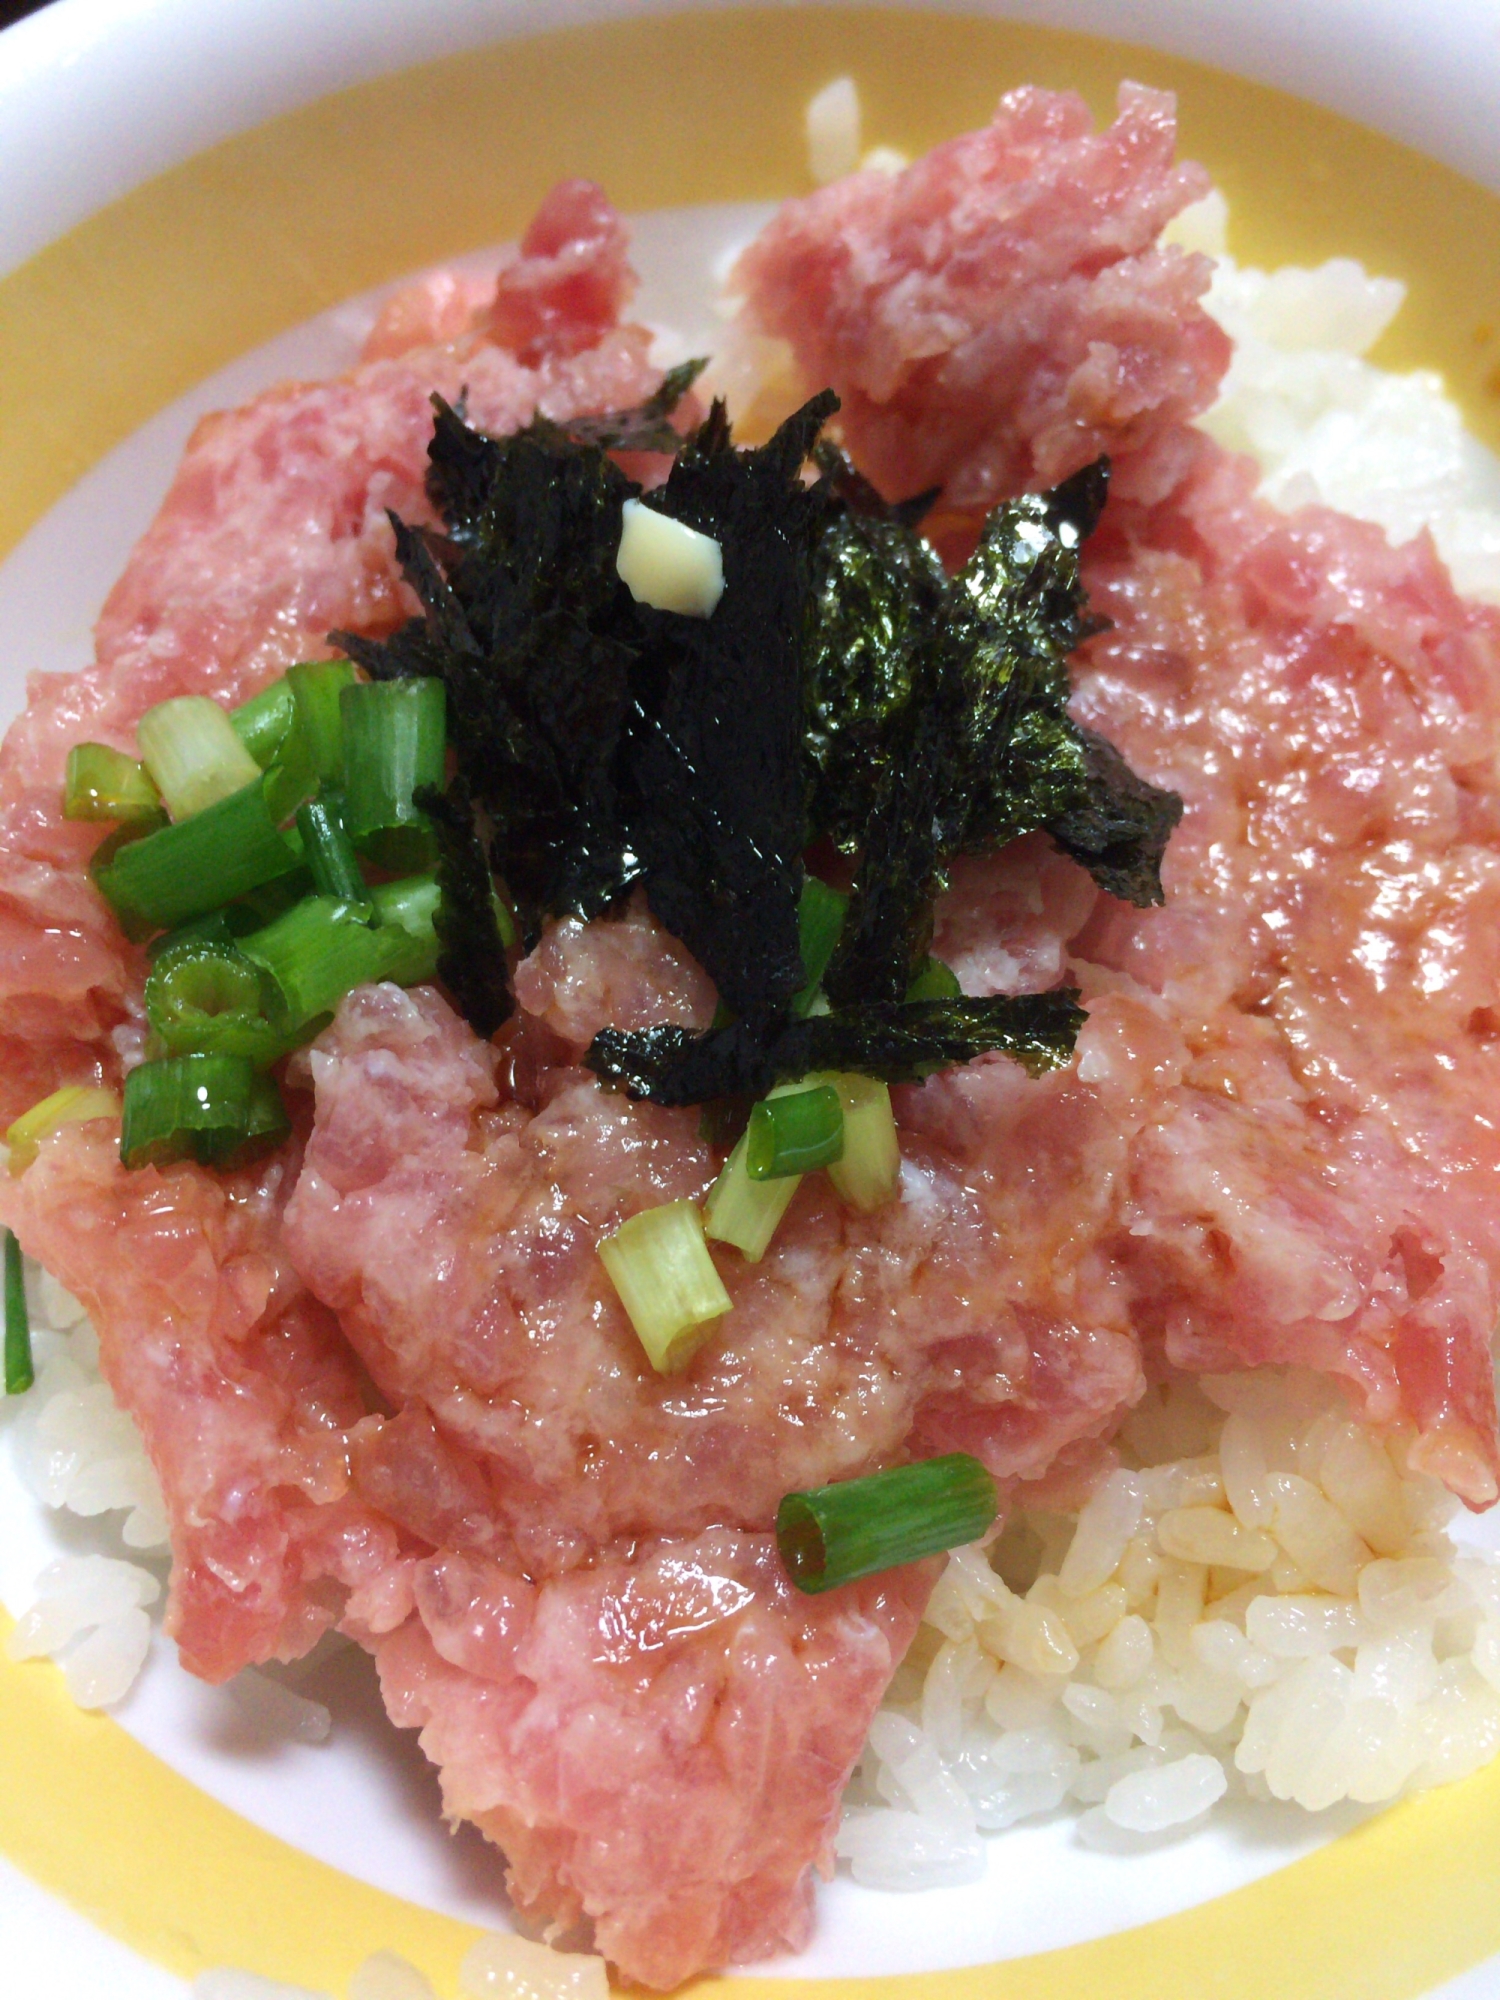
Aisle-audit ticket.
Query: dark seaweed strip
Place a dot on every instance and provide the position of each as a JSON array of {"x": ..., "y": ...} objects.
[
  {"x": 850, "y": 485},
  {"x": 938, "y": 723},
  {"x": 1120, "y": 827},
  {"x": 717, "y": 806},
  {"x": 535, "y": 638},
  {"x": 1074, "y": 505},
  {"x": 900, "y": 1042},
  {"x": 647, "y": 426},
  {"x": 879, "y": 593},
  {"x": 471, "y": 962}
]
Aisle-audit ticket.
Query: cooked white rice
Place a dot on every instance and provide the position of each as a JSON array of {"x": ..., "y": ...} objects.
[
  {"x": 1326, "y": 425},
  {"x": 499, "y": 1967},
  {"x": 1262, "y": 1601}
]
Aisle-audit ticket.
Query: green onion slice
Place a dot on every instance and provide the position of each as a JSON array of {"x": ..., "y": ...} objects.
[
  {"x": 394, "y": 739},
  {"x": 101, "y": 783},
  {"x": 265, "y": 1125},
  {"x": 820, "y": 919},
  {"x": 794, "y": 1132},
  {"x": 330, "y": 854},
  {"x": 214, "y": 929},
  {"x": 192, "y": 868},
  {"x": 204, "y": 997},
  {"x": 19, "y": 1372},
  {"x": 322, "y": 948},
  {"x": 870, "y": 1167},
  {"x": 407, "y": 909},
  {"x": 862, "y": 1526},
  {"x": 317, "y": 689},
  {"x": 262, "y": 906},
  {"x": 262, "y": 722},
  {"x": 181, "y": 1107},
  {"x": 190, "y": 748},
  {"x": 74, "y": 1104},
  {"x": 311, "y": 754},
  {"x": 659, "y": 1264},
  {"x": 101, "y": 862},
  {"x": 744, "y": 1212}
]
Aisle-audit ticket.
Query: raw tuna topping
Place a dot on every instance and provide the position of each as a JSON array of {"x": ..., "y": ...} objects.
[{"x": 616, "y": 1052}]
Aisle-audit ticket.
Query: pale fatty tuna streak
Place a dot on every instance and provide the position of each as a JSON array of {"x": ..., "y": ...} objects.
[{"x": 1271, "y": 1148}]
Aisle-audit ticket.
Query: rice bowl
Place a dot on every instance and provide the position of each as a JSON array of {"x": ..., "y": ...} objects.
[{"x": 1125, "y": 1775}]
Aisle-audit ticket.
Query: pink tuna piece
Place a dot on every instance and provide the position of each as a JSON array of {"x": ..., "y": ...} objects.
[
  {"x": 1319, "y": 1182},
  {"x": 431, "y": 311},
  {"x": 238, "y": 1379},
  {"x": 570, "y": 280},
  {"x": 274, "y": 534},
  {"x": 1000, "y": 313},
  {"x": 455, "y": 1238},
  {"x": 658, "y": 1744}
]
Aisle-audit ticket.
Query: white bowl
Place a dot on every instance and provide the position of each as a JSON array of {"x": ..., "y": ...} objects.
[{"x": 95, "y": 100}]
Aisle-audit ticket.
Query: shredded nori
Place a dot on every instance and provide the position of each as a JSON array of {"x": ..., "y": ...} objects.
[
  {"x": 1120, "y": 826},
  {"x": 938, "y": 722},
  {"x": 535, "y": 638},
  {"x": 717, "y": 806},
  {"x": 900, "y": 1041},
  {"x": 647, "y": 427},
  {"x": 472, "y": 962},
  {"x": 845, "y": 686}
]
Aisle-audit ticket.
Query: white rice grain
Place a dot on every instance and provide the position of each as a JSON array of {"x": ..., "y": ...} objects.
[
  {"x": 506, "y": 1967},
  {"x": 832, "y": 123},
  {"x": 277, "y": 1713},
  {"x": 1150, "y": 1801},
  {"x": 903, "y": 1850},
  {"x": 388, "y": 1976},
  {"x": 1106, "y": 1524},
  {"x": 1125, "y": 1654}
]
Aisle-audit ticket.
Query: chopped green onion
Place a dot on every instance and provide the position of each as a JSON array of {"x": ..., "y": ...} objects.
[
  {"x": 660, "y": 1266},
  {"x": 316, "y": 953},
  {"x": 311, "y": 754},
  {"x": 205, "y": 998},
  {"x": 262, "y": 722},
  {"x": 321, "y": 949},
  {"x": 505, "y": 919},
  {"x": 262, "y": 906},
  {"x": 292, "y": 778},
  {"x": 266, "y": 1125},
  {"x": 19, "y": 1372},
  {"x": 330, "y": 854},
  {"x": 867, "y": 1174},
  {"x": 820, "y": 918},
  {"x": 101, "y": 783},
  {"x": 794, "y": 1132},
  {"x": 214, "y": 929},
  {"x": 394, "y": 737},
  {"x": 406, "y": 909},
  {"x": 190, "y": 748},
  {"x": 189, "y": 869},
  {"x": 71, "y": 1105},
  {"x": 934, "y": 981},
  {"x": 196, "y": 1106},
  {"x": 317, "y": 689},
  {"x": 101, "y": 861},
  {"x": 744, "y": 1212},
  {"x": 862, "y": 1526}
]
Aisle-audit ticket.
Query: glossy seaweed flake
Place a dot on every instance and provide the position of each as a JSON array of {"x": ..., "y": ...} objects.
[{"x": 845, "y": 687}]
